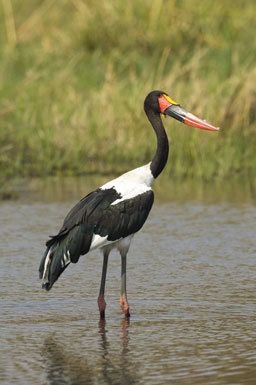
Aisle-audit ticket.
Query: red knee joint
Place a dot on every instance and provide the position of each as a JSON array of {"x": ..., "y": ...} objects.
[
  {"x": 124, "y": 304},
  {"x": 101, "y": 303}
]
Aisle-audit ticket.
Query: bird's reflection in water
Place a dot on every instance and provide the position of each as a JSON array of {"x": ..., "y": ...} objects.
[
  {"x": 66, "y": 367},
  {"x": 124, "y": 371}
]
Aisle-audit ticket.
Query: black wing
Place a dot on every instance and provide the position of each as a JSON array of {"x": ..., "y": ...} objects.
[
  {"x": 92, "y": 205},
  {"x": 124, "y": 218},
  {"x": 94, "y": 214}
]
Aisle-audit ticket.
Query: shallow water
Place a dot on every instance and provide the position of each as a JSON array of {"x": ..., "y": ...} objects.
[{"x": 191, "y": 289}]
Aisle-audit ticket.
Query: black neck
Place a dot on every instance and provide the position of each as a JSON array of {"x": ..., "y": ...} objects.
[{"x": 162, "y": 151}]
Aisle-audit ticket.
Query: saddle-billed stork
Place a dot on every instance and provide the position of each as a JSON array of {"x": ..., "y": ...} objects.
[{"x": 108, "y": 217}]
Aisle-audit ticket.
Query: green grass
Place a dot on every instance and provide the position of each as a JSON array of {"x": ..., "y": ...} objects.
[{"x": 74, "y": 75}]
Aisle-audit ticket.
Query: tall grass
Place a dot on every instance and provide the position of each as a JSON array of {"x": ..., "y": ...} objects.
[{"x": 74, "y": 74}]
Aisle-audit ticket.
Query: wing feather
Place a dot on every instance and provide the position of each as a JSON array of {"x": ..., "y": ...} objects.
[{"x": 93, "y": 215}]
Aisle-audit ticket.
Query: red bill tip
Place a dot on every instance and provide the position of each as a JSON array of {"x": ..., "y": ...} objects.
[{"x": 194, "y": 121}]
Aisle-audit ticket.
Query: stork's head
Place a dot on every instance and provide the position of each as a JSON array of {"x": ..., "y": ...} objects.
[{"x": 161, "y": 103}]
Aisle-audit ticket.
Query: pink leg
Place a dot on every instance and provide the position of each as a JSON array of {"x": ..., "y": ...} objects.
[
  {"x": 124, "y": 305},
  {"x": 123, "y": 299},
  {"x": 102, "y": 305},
  {"x": 101, "y": 301}
]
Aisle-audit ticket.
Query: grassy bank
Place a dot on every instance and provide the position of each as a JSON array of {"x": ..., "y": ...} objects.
[{"x": 74, "y": 75}]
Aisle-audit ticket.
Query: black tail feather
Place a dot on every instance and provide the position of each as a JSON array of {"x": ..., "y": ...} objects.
[
  {"x": 55, "y": 260},
  {"x": 61, "y": 251}
]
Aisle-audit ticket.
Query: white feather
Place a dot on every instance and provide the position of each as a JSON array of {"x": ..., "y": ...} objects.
[
  {"x": 66, "y": 259},
  {"x": 98, "y": 241},
  {"x": 46, "y": 266},
  {"x": 122, "y": 244},
  {"x": 132, "y": 183}
]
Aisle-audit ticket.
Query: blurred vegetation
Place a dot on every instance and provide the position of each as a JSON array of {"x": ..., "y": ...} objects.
[{"x": 74, "y": 75}]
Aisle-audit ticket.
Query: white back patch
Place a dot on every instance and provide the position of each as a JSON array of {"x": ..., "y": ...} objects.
[{"x": 132, "y": 183}]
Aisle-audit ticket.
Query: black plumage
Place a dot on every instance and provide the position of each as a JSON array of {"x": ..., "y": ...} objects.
[{"x": 93, "y": 215}]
